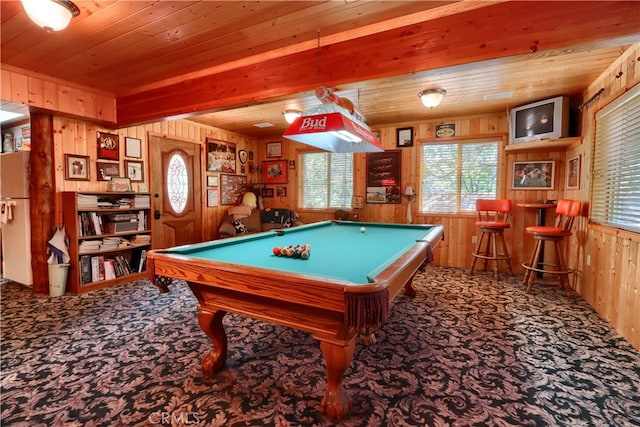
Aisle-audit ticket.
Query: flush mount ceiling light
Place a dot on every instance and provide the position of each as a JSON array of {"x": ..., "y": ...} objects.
[
  {"x": 291, "y": 115},
  {"x": 52, "y": 15},
  {"x": 431, "y": 97}
]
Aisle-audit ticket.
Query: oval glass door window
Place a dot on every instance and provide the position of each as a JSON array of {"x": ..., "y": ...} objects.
[{"x": 177, "y": 183}]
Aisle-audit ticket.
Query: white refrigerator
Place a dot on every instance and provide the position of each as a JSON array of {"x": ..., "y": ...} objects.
[{"x": 14, "y": 217}]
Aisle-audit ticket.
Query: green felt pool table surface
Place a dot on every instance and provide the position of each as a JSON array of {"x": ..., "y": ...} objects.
[{"x": 338, "y": 248}]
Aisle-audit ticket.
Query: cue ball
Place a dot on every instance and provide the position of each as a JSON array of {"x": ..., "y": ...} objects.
[{"x": 362, "y": 229}]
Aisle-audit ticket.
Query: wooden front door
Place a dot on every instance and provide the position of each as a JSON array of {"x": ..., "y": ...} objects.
[{"x": 176, "y": 192}]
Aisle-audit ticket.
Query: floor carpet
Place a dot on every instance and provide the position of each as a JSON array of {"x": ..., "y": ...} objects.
[{"x": 466, "y": 351}]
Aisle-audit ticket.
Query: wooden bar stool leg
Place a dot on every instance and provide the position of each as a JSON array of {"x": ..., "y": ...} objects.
[
  {"x": 534, "y": 264},
  {"x": 496, "y": 261},
  {"x": 487, "y": 251},
  {"x": 564, "y": 277},
  {"x": 506, "y": 253},
  {"x": 477, "y": 252},
  {"x": 527, "y": 271}
]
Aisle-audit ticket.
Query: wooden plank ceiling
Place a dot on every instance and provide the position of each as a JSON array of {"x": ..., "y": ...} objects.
[{"x": 234, "y": 64}]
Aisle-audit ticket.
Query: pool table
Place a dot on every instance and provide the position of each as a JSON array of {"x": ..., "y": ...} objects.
[{"x": 344, "y": 289}]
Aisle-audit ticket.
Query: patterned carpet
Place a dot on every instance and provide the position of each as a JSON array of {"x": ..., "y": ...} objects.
[{"x": 466, "y": 351}]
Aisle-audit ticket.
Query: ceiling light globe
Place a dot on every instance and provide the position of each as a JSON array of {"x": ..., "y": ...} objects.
[
  {"x": 291, "y": 115},
  {"x": 432, "y": 97},
  {"x": 52, "y": 15}
]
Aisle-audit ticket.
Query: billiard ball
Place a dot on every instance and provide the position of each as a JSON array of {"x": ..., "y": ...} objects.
[
  {"x": 276, "y": 250},
  {"x": 305, "y": 254},
  {"x": 363, "y": 229}
]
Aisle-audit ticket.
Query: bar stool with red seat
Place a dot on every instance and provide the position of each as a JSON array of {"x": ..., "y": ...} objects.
[
  {"x": 493, "y": 219},
  {"x": 566, "y": 211}
]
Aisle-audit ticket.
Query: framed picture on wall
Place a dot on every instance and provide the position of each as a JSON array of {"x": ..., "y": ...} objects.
[
  {"x": 212, "y": 197},
  {"x": 536, "y": 175},
  {"x": 132, "y": 147},
  {"x": 573, "y": 173},
  {"x": 108, "y": 146},
  {"x": 135, "y": 171},
  {"x": 221, "y": 156},
  {"x": 274, "y": 149},
  {"x": 274, "y": 171},
  {"x": 405, "y": 137},
  {"x": 267, "y": 192},
  {"x": 212, "y": 180},
  {"x": 383, "y": 177},
  {"x": 232, "y": 187},
  {"x": 76, "y": 167},
  {"x": 107, "y": 170}
]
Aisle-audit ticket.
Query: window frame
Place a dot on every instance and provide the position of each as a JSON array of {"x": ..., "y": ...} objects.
[
  {"x": 606, "y": 207},
  {"x": 301, "y": 177},
  {"x": 499, "y": 139}
]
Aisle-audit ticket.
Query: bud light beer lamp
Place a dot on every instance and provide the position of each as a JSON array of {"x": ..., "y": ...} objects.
[{"x": 334, "y": 126}]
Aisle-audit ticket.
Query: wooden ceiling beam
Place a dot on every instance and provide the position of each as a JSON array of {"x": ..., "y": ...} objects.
[{"x": 495, "y": 31}]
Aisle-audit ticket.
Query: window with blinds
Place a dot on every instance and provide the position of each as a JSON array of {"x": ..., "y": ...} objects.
[
  {"x": 455, "y": 174},
  {"x": 615, "y": 197},
  {"x": 325, "y": 180}
]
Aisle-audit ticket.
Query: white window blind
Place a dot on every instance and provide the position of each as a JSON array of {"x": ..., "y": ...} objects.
[
  {"x": 455, "y": 174},
  {"x": 615, "y": 198},
  {"x": 325, "y": 180}
]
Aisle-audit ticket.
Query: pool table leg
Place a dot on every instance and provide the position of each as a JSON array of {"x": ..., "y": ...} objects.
[
  {"x": 336, "y": 402},
  {"x": 409, "y": 290},
  {"x": 211, "y": 324}
]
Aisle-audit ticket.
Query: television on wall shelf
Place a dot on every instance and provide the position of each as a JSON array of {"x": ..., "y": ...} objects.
[{"x": 547, "y": 119}]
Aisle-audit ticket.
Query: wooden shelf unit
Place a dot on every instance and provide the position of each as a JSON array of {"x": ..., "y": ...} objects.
[
  {"x": 75, "y": 218},
  {"x": 560, "y": 144}
]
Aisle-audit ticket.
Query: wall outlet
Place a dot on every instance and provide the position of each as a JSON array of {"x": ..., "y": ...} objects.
[
  {"x": 588, "y": 260},
  {"x": 474, "y": 240}
]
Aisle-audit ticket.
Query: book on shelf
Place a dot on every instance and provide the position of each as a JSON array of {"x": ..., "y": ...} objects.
[
  {"x": 97, "y": 268},
  {"x": 109, "y": 269},
  {"x": 143, "y": 260},
  {"x": 97, "y": 223},
  {"x": 142, "y": 220},
  {"x": 142, "y": 201},
  {"x": 140, "y": 239},
  {"x": 87, "y": 201},
  {"x": 89, "y": 246},
  {"x": 85, "y": 269}
]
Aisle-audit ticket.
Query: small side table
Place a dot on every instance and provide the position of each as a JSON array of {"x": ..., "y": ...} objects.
[
  {"x": 542, "y": 209},
  {"x": 542, "y": 213}
]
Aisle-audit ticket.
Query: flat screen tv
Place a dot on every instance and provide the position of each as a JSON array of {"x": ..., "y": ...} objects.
[{"x": 540, "y": 120}]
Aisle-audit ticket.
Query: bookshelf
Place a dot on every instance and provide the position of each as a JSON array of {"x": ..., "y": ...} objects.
[{"x": 109, "y": 235}]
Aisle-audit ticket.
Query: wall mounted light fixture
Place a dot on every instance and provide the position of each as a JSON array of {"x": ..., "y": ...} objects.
[
  {"x": 432, "y": 97},
  {"x": 291, "y": 115},
  {"x": 52, "y": 15}
]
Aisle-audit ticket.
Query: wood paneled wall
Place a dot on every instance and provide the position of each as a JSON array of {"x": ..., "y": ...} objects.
[
  {"x": 44, "y": 92},
  {"x": 79, "y": 137},
  {"x": 610, "y": 282}
]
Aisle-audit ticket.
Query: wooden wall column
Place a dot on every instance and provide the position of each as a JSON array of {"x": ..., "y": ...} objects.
[{"x": 42, "y": 195}]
